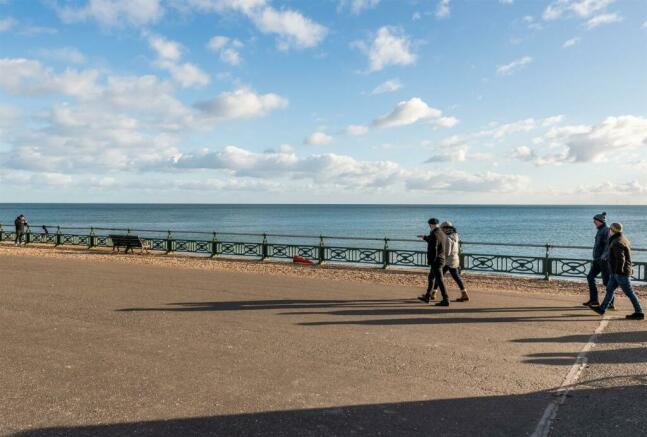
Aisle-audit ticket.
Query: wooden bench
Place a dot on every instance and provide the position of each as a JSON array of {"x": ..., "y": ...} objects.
[{"x": 127, "y": 241}]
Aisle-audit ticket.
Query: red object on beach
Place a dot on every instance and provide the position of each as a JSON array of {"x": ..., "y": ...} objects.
[{"x": 301, "y": 260}]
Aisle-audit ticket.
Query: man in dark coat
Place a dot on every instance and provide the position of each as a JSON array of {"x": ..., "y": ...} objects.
[
  {"x": 620, "y": 270},
  {"x": 600, "y": 255},
  {"x": 20, "y": 223},
  {"x": 436, "y": 261}
]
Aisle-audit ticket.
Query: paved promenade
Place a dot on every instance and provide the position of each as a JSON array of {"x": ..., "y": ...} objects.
[{"x": 102, "y": 348}]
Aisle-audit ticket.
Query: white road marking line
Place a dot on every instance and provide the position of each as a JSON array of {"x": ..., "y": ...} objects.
[{"x": 546, "y": 421}]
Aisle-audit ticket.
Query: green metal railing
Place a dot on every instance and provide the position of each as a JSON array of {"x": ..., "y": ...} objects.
[{"x": 328, "y": 249}]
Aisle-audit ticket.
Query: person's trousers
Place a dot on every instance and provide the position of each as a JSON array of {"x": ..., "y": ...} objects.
[
  {"x": 19, "y": 235},
  {"x": 435, "y": 280},
  {"x": 597, "y": 267},
  {"x": 625, "y": 284},
  {"x": 456, "y": 274}
]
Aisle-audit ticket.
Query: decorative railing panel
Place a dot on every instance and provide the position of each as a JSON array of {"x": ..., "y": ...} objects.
[{"x": 382, "y": 256}]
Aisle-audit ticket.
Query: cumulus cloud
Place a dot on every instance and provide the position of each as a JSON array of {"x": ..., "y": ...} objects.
[
  {"x": 357, "y": 6},
  {"x": 601, "y": 19},
  {"x": 571, "y": 42},
  {"x": 389, "y": 47},
  {"x": 356, "y": 129},
  {"x": 389, "y": 86},
  {"x": 227, "y": 48},
  {"x": 113, "y": 13},
  {"x": 467, "y": 182},
  {"x": 407, "y": 112},
  {"x": 241, "y": 103},
  {"x": 7, "y": 23},
  {"x": 578, "y": 8},
  {"x": 608, "y": 187},
  {"x": 442, "y": 9},
  {"x": 317, "y": 138},
  {"x": 454, "y": 155},
  {"x": 514, "y": 66},
  {"x": 169, "y": 54}
]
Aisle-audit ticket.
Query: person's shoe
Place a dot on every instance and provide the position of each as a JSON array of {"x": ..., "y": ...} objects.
[
  {"x": 635, "y": 316},
  {"x": 612, "y": 306},
  {"x": 424, "y": 298},
  {"x": 591, "y": 303},
  {"x": 464, "y": 297},
  {"x": 442, "y": 303},
  {"x": 597, "y": 310},
  {"x": 434, "y": 295}
]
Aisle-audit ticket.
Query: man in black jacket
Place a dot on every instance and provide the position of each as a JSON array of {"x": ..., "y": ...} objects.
[
  {"x": 620, "y": 270},
  {"x": 20, "y": 223},
  {"x": 600, "y": 255},
  {"x": 436, "y": 261}
]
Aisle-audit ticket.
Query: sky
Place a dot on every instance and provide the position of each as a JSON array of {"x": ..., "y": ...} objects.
[{"x": 333, "y": 101}]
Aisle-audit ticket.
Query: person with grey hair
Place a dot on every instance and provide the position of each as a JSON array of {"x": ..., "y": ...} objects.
[
  {"x": 620, "y": 270},
  {"x": 436, "y": 261},
  {"x": 452, "y": 260}
]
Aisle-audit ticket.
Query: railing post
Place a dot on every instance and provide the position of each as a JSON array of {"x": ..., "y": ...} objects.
[
  {"x": 214, "y": 245},
  {"x": 28, "y": 235},
  {"x": 322, "y": 249},
  {"x": 92, "y": 241},
  {"x": 264, "y": 247},
  {"x": 385, "y": 254},
  {"x": 59, "y": 236},
  {"x": 547, "y": 263},
  {"x": 1, "y": 232},
  {"x": 169, "y": 242},
  {"x": 461, "y": 256}
]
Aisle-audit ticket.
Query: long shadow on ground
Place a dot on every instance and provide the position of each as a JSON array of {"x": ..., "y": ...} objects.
[{"x": 515, "y": 415}]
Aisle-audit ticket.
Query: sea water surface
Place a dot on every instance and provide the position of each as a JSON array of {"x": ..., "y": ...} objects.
[{"x": 540, "y": 224}]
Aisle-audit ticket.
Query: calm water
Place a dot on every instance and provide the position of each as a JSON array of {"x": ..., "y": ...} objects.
[{"x": 563, "y": 225}]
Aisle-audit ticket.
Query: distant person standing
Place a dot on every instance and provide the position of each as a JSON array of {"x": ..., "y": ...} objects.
[
  {"x": 600, "y": 259},
  {"x": 620, "y": 270},
  {"x": 21, "y": 223},
  {"x": 436, "y": 261},
  {"x": 452, "y": 260}
]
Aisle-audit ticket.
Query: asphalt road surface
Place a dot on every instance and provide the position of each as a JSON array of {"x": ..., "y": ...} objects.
[{"x": 89, "y": 348}]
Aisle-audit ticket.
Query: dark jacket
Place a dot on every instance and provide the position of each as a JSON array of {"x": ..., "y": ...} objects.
[
  {"x": 20, "y": 223},
  {"x": 435, "y": 247},
  {"x": 601, "y": 245},
  {"x": 619, "y": 255}
]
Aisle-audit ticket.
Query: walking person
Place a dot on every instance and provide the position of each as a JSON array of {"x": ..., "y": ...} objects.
[
  {"x": 436, "y": 261},
  {"x": 620, "y": 270},
  {"x": 21, "y": 224},
  {"x": 452, "y": 260},
  {"x": 599, "y": 266}
]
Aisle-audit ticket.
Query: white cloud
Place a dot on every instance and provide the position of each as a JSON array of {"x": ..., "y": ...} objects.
[
  {"x": 389, "y": 86},
  {"x": 407, "y": 112},
  {"x": 113, "y": 13},
  {"x": 506, "y": 2},
  {"x": 227, "y": 49},
  {"x": 65, "y": 54},
  {"x": 356, "y": 129},
  {"x": 467, "y": 182},
  {"x": 571, "y": 42},
  {"x": 608, "y": 187},
  {"x": 502, "y": 131},
  {"x": 454, "y": 155},
  {"x": 293, "y": 29},
  {"x": 524, "y": 153},
  {"x": 514, "y": 66},
  {"x": 390, "y": 47},
  {"x": 446, "y": 121},
  {"x": 599, "y": 20},
  {"x": 7, "y": 23},
  {"x": 579, "y": 8},
  {"x": 442, "y": 9},
  {"x": 357, "y": 6},
  {"x": 644, "y": 26},
  {"x": 317, "y": 138},
  {"x": 169, "y": 54},
  {"x": 551, "y": 121},
  {"x": 241, "y": 103}
]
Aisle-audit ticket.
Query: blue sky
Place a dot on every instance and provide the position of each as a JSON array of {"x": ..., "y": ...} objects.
[{"x": 372, "y": 101}]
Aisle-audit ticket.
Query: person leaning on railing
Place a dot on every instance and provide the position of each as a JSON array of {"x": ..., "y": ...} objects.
[{"x": 620, "y": 270}]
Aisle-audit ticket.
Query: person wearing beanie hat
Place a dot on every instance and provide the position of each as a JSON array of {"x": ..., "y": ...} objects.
[
  {"x": 599, "y": 263},
  {"x": 436, "y": 261},
  {"x": 620, "y": 269}
]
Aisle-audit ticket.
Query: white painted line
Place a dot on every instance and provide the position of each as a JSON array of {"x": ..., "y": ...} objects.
[{"x": 546, "y": 421}]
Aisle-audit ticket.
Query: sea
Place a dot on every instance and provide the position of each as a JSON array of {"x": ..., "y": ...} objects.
[{"x": 531, "y": 224}]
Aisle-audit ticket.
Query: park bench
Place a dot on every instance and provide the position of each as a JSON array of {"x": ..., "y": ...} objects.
[{"x": 127, "y": 241}]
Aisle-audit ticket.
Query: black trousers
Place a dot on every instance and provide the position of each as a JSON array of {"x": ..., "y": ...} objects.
[
  {"x": 597, "y": 267},
  {"x": 456, "y": 274},
  {"x": 19, "y": 235},
  {"x": 435, "y": 280}
]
